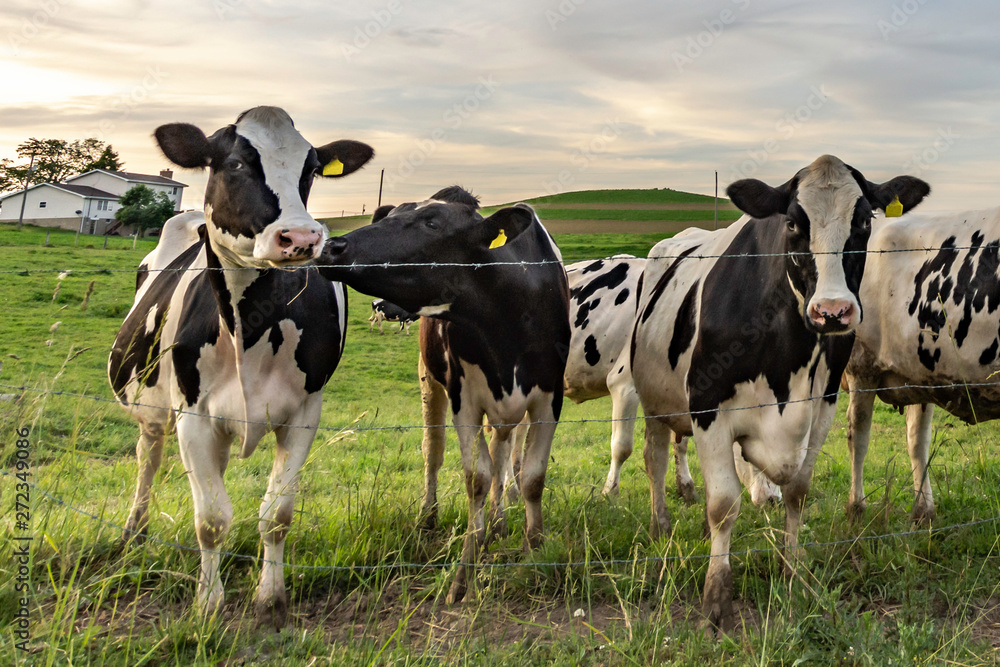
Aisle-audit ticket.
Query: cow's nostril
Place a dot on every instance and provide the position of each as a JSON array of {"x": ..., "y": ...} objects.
[{"x": 284, "y": 241}]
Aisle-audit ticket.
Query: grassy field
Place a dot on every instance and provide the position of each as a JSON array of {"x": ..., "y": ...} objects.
[
  {"x": 659, "y": 211},
  {"x": 599, "y": 591}
]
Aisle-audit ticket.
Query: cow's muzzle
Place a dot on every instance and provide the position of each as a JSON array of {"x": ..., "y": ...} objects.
[{"x": 833, "y": 315}]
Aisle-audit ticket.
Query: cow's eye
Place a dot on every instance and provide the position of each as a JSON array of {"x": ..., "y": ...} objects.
[
  {"x": 790, "y": 224},
  {"x": 431, "y": 224},
  {"x": 232, "y": 164}
]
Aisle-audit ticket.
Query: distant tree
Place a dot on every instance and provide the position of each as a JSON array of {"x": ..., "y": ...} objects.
[
  {"x": 54, "y": 160},
  {"x": 109, "y": 161},
  {"x": 143, "y": 209}
]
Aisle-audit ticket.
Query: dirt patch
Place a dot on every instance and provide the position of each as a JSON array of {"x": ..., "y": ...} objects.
[
  {"x": 986, "y": 626},
  {"x": 431, "y": 623}
]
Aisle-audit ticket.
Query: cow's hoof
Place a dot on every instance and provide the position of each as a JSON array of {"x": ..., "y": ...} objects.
[
  {"x": 512, "y": 494},
  {"x": 688, "y": 492},
  {"x": 131, "y": 537},
  {"x": 659, "y": 527},
  {"x": 427, "y": 520},
  {"x": 499, "y": 529},
  {"x": 533, "y": 541},
  {"x": 610, "y": 491},
  {"x": 856, "y": 511},
  {"x": 271, "y": 613},
  {"x": 922, "y": 515},
  {"x": 717, "y": 603},
  {"x": 458, "y": 589}
]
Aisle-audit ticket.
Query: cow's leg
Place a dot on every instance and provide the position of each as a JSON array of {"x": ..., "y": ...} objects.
[
  {"x": 513, "y": 482},
  {"x": 205, "y": 453},
  {"x": 685, "y": 483},
  {"x": 859, "y": 429},
  {"x": 477, "y": 466},
  {"x": 918, "y": 440},
  {"x": 624, "y": 405},
  {"x": 371, "y": 324},
  {"x": 794, "y": 492},
  {"x": 537, "y": 447},
  {"x": 276, "y": 509},
  {"x": 722, "y": 506},
  {"x": 407, "y": 325},
  {"x": 762, "y": 490},
  {"x": 434, "y": 400},
  {"x": 501, "y": 445},
  {"x": 148, "y": 454},
  {"x": 656, "y": 454}
]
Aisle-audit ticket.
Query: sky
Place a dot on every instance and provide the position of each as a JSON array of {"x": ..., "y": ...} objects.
[{"x": 528, "y": 97}]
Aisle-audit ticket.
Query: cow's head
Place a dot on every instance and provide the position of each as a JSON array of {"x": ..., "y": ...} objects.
[
  {"x": 428, "y": 239},
  {"x": 827, "y": 209},
  {"x": 260, "y": 173}
]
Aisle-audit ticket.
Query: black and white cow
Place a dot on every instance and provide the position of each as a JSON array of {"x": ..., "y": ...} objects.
[
  {"x": 496, "y": 346},
  {"x": 736, "y": 340},
  {"x": 385, "y": 311},
  {"x": 603, "y": 297},
  {"x": 930, "y": 319},
  {"x": 221, "y": 343}
]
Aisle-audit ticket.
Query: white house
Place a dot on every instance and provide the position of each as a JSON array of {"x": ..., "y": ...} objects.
[{"x": 87, "y": 202}]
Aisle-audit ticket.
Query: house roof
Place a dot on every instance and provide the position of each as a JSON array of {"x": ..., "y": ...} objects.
[
  {"x": 131, "y": 176},
  {"x": 84, "y": 191}
]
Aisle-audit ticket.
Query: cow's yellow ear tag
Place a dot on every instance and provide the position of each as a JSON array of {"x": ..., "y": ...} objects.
[
  {"x": 499, "y": 240},
  {"x": 894, "y": 209},
  {"x": 333, "y": 168}
]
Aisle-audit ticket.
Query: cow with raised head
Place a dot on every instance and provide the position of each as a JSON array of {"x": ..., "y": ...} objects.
[
  {"x": 493, "y": 343},
  {"x": 224, "y": 342},
  {"x": 741, "y": 335},
  {"x": 931, "y": 291},
  {"x": 603, "y": 297}
]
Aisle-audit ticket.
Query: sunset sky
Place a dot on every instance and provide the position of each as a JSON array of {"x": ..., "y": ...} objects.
[{"x": 519, "y": 99}]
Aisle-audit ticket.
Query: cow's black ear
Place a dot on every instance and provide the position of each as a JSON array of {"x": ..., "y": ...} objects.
[
  {"x": 343, "y": 157},
  {"x": 511, "y": 221},
  {"x": 758, "y": 199},
  {"x": 910, "y": 190},
  {"x": 184, "y": 144},
  {"x": 381, "y": 212}
]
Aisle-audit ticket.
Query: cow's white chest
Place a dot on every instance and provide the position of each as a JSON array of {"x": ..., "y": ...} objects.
[
  {"x": 478, "y": 397},
  {"x": 265, "y": 388},
  {"x": 774, "y": 429}
]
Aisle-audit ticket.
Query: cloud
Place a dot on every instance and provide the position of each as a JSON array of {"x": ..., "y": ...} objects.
[{"x": 691, "y": 87}]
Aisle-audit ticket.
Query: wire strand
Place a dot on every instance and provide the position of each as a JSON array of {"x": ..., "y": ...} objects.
[
  {"x": 496, "y": 566},
  {"x": 480, "y": 265},
  {"x": 408, "y": 427}
]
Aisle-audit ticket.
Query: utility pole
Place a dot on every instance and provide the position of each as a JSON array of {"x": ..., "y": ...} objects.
[
  {"x": 381, "y": 176},
  {"x": 716, "y": 224},
  {"x": 24, "y": 193}
]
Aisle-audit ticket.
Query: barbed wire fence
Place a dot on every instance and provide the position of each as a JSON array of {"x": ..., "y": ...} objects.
[{"x": 354, "y": 428}]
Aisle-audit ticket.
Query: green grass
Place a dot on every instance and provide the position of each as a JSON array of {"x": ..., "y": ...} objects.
[
  {"x": 593, "y": 206},
  {"x": 916, "y": 599},
  {"x": 654, "y": 196}
]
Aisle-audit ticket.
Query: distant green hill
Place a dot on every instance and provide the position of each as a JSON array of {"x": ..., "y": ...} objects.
[
  {"x": 656, "y": 211},
  {"x": 653, "y": 196}
]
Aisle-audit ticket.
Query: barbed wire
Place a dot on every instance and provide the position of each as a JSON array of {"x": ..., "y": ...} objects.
[
  {"x": 480, "y": 265},
  {"x": 406, "y": 427},
  {"x": 496, "y": 566}
]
